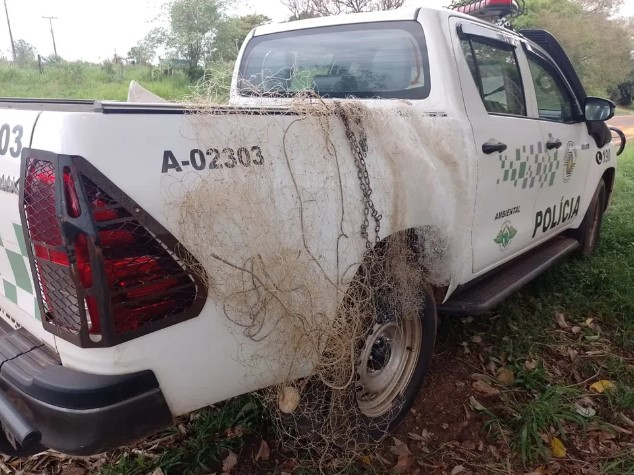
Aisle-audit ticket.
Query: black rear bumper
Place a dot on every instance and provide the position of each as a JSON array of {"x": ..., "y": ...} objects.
[{"x": 45, "y": 405}]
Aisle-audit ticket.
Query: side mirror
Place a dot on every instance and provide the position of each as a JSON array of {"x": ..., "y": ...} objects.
[{"x": 599, "y": 110}]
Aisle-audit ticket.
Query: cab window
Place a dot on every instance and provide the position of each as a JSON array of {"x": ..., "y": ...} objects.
[
  {"x": 554, "y": 102},
  {"x": 385, "y": 60},
  {"x": 497, "y": 75}
]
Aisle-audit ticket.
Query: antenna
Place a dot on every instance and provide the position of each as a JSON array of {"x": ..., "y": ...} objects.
[{"x": 50, "y": 21}]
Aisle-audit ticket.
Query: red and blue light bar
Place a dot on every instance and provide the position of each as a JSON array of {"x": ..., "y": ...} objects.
[{"x": 489, "y": 8}]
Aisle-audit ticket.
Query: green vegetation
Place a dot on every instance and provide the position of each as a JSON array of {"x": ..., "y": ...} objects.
[
  {"x": 88, "y": 81},
  {"x": 592, "y": 37},
  {"x": 197, "y": 446},
  {"x": 199, "y": 33},
  {"x": 200, "y": 39},
  {"x": 197, "y": 53},
  {"x": 624, "y": 111},
  {"x": 109, "y": 81}
]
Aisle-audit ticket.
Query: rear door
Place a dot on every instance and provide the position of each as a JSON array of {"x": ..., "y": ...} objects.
[
  {"x": 568, "y": 146},
  {"x": 18, "y": 303},
  {"x": 512, "y": 166}
]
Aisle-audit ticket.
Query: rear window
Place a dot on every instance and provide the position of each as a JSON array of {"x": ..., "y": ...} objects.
[{"x": 385, "y": 60}]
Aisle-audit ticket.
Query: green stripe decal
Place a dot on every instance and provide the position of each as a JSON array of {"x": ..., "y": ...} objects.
[
  {"x": 19, "y": 234},
  {"x": 10, "y": 292},
  {"x": 20, "y": 273},
  {"x": 37, "y": 313}
]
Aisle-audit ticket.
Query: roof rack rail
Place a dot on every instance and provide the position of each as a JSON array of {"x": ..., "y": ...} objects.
[{"x": 496, "y": 11}]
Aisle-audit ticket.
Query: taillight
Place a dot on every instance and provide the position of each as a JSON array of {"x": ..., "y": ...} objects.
[
  {"x": 52, "y": 264},
  {"x": 103, "y": 275},
  {"x": 70, "y": 193}
]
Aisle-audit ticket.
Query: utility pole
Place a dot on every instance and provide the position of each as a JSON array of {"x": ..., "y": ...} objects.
[
  {"x": 50, "y": 21},
  {"x": 6, "y": 10}
]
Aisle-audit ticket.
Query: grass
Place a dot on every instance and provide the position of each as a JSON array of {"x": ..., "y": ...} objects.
[
  {"x": 621, "y": 465},
  {"x": 595, "y": 299},
  {"x": 198, "y": 445},
  {"x": 79, "y": 80},
  {"x": 624, "y": 110},
  {"x": 536, "y": 416}
]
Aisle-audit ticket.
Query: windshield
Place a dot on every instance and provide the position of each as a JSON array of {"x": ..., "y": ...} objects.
[{"x": 386, "y": 60}]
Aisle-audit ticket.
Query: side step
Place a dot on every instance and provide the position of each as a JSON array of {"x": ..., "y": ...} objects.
[{"x": 481, "y": 297}]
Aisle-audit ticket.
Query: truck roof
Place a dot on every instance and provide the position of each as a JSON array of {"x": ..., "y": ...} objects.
[{"x": 406, "y": 13}]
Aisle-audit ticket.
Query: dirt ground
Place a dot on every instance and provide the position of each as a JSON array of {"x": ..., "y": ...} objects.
[{"x": 446, "y": 432}]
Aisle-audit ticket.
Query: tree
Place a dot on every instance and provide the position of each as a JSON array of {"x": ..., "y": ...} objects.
[
  {"x": 145, "y": 50},
  {"x": 598, "y": 45},
  {"x": 389, "y": 4},
  {"x": 303, "y": 15},
  {"x": 309, "y": 8},
  {"x": 24, "y": 52},
  {"x": 193, "y": 24},
  {"x": 623, "y": 94},
  {"x": 600, "y": 6},
  {"x": 300, "y": 9},
  {"x": 230, "y": 34},
  {"x": 139, "y": 54}
]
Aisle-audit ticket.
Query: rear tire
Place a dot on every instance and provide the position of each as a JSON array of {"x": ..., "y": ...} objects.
[
  {"x": 391, "y": 312},
  {"x": 589, "y": 232},
  {"x": 393, "y": 363}
]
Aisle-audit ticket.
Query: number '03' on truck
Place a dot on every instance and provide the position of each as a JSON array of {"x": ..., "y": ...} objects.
[{"x": 370, "y": 172}]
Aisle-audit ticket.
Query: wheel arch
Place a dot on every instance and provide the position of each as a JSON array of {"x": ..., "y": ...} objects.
[{"x": 429, "y": 244}]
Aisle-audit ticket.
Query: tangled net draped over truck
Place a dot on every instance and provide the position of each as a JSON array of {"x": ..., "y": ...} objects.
[{"x": 306, "y": 253}]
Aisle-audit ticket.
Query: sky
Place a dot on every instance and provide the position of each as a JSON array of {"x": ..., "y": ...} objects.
[{"x": 93, "y": 30}]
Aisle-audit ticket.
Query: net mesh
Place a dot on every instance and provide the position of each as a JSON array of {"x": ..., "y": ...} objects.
[
  {"x": 325, "y": 290},
  {"x": 53, "y": 275}
]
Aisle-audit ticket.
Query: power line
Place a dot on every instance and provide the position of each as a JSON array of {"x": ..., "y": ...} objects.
[
  {"x": 50, "y": 21},
  {"x": 6, "y": 10}
]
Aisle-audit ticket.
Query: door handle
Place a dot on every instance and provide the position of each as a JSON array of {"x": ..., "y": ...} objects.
[
  {"x": 493, "y": 146},
  {"x": 553, "y": 144}
]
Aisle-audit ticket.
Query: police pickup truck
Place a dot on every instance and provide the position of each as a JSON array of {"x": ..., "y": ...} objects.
[{"x": 152, "y": 254}]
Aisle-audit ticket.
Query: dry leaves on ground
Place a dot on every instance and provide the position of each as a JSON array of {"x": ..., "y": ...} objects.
[
  {"x": 229, "y": 463},
  {"x": 264, "y": 452},
  {"x": 405, "y": 460}
]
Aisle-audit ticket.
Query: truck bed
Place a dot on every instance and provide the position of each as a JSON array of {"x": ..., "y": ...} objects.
[{"x": 117, "y": 107}]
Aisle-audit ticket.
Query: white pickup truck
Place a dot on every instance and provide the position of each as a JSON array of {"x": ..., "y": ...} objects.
[{"x": 159, "y": 258}]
